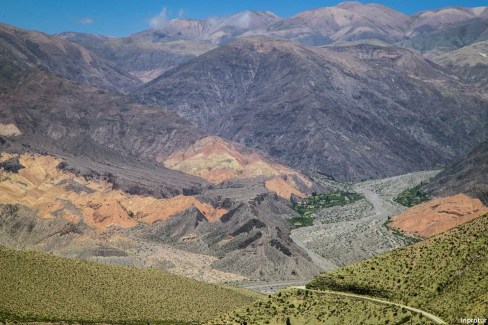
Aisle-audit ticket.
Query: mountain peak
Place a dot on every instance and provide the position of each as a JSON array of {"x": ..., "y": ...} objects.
[{"x": 350, "y": 4}]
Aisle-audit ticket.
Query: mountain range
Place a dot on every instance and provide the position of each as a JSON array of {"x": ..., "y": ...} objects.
[
  {"x": 199, "y": 147},
  {"x": 303, "y": 105},
  {"x": 103, "y": 135}
]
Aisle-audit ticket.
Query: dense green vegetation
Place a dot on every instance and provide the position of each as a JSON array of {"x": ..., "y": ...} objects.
[
  {"x": 298, "y": 307},
  {"x": 42, "y": 287},
  {"x": 446, "y": 274},
  {"x": 412, "y": 196},
  {"x": 316, "y": 202},
  {"x": 298, "y": 222}
]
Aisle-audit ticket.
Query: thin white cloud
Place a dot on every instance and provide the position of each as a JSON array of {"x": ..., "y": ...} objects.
[
  {"x": 181, "y": 12},
  {"x": 87, "y": 21},
  {"x": 160, "y": 20}
]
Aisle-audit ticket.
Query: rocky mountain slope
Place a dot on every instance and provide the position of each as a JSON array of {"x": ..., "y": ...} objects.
[
  {"x": 217, "y": 160},
  {"x": 102, "y": 136},
  {"x": 74, "y": 216},
  {"x": 447, "y": 29},
  {"x": 347, "y": 21},
  {"x": 149, "y": 53},
  {"x": 31, "y": 49},
  {"x": 352, "y": 21},
  {"x": 459, "y": 194},
  {"x": 469, "y": 62},
  {"x": 399, "y": 279},
  {"x": 56, "y": 115},
  {"x": 467, "y": 176},
  {"x": 351, "y": 112}
]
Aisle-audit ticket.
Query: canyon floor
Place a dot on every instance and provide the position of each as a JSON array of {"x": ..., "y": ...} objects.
[{"x": 347, "y": 234}]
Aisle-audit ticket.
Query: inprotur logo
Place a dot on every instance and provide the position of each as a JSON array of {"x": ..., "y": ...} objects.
[{"x": 474, "y": 321}]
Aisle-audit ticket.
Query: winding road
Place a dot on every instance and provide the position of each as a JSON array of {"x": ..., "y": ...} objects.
[{"x": 428, "y": 315}]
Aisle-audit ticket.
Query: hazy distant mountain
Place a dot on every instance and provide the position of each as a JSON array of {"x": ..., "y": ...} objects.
[
  {"x": 352, "y": 21},
  {"x": 432, "y": 20},
  {"x": 149, "y": 53},
  {"x": 469, "y": 62},
  {"x": 34, "y": 49},
  {"x": 143, "y": 58},
  {"x": 216, "y": 30},
  {"x": 345, "y": 22},
  {"x": 351, "y": 112},
  {"x": 449, "y": 37}
]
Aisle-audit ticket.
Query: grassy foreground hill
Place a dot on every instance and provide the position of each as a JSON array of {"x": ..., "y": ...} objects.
[
  {"x": 446, "y": 275},
  {"x": 42, "y": 287}
]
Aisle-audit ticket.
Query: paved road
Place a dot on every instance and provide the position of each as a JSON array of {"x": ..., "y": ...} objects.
[{"x": 430, "y": 316}]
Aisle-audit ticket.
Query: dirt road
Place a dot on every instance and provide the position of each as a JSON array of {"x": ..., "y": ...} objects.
[{"x": 430, "y": 316}]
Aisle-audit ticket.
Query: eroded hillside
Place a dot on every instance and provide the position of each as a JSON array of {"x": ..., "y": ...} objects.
[{"x": 217, "y": 160}]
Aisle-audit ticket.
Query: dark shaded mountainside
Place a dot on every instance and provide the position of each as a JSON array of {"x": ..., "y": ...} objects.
[
  {"x": 58, "y": 115},
  {"x": 350, "y": 112},
  {"x": 105, "y": 136},
  {"x": 469, "y": 176}
]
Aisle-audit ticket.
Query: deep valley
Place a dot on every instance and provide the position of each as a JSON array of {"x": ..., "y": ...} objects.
[{"x": 330, "y": 167}]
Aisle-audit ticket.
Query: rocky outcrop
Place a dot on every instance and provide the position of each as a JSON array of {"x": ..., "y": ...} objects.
[
  {"x": 251, "y": 239},
  {"x": 54, "y": 193}
]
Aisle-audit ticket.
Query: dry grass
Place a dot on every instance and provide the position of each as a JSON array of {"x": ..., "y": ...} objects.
[{"x": 41, "y": 287}]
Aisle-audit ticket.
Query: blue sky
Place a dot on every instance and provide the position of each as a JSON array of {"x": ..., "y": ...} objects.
[{"x": 124, "y": 17}]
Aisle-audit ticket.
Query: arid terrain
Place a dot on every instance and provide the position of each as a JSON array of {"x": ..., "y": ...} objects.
[
  {"x": 251, "y": 150},
  {"x": 344, "y": 235}
]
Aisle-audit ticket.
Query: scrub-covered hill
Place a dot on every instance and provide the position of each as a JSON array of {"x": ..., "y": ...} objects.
[{"x": 73, "y": 290}]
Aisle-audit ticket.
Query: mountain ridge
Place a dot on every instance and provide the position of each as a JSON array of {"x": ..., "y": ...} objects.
[{"x": 238, "y": 100}]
